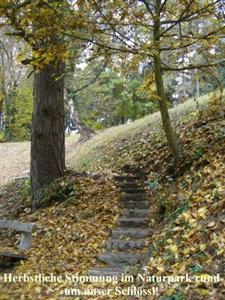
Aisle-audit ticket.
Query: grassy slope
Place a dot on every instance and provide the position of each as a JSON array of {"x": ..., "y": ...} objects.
[
  {"x": 187, "y": 220},
  {"x": 112, "y": 145}
]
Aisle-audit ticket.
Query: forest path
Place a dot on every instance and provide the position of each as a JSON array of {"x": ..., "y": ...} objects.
[{"x": 126, "y": 250}]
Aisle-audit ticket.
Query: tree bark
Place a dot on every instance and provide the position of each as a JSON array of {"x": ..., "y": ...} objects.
[
  {"x": 9, "y": 116},
  {"x": 47, "y": 134},
  {"x": 2, "y": 98},
  {"x": 167, "y": 126}
]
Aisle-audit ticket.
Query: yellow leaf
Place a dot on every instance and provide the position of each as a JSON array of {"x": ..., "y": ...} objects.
[
  {"x": 202, "y": 212},
  {"x": 186, "y": 251},
  {"x": 160, "y": 268},
  {"x": 37, "y": 289},
  {"x": 173, "y": 248},
  {"x": 169, "y": 241},
  {"x": 219, "y": 251},
  {"x": 202, "y": 247},
  {"x": 169, "y": 292},
  {"x": 203, "y": 292}
]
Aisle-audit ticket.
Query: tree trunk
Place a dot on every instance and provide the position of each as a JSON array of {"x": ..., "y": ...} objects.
[
  {"x": 167, "y": 126},
  {"x": 9, "y": 116},
  {"x": 169, "y": 131},
  {"x": 47, "y": 135},
  {"x": 2, "y": 98},
  {"x": 85, "y": 132},
  {"x": 122, "y": 120},
  {"x": 197, "y": 94}
]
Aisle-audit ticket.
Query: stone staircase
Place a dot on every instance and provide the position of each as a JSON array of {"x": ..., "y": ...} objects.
[{"x": 125, "y": 249}]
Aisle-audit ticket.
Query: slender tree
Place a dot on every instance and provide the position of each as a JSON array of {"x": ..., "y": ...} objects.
[
  {"x": 11, "y": 73},
  {"x": 161, "y": 32}
]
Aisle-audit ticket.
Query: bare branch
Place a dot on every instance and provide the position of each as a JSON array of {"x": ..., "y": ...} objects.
[
  {"x": 186, "y": 18},
  {"x": 194, "y": 39},
  {"x": 179, "y": 19},
  {"x": 148, "y": 8},
  {"x": 118, "y": 35},
  {"x": 91, "y": 81},
  {"x": 101, "y": 44},
  {"x": 162, "y": 6}
]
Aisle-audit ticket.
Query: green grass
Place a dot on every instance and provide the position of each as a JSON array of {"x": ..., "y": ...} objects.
[{"x": 96, "y": 153}]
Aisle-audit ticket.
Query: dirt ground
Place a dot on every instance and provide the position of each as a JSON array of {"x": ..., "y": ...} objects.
[{"x": 15, "y": 158}]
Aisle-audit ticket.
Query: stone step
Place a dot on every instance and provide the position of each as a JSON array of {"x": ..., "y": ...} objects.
[
  {"x": 133, "y": 197},
  {"x": 125, "y": 178},
  {"x": 135, "y": 233},
  {"x": 132, "y": 222},
  {"x": 125, "y": 245},
  {"x": 130, "y": 185},
  {"x": 122, "y": 258},
  {"x": 139, "y": 213},
  {"x": 133, "y": 190},
  {"x": 134, "y": 204},
  {"x": 105, "y": 271}
]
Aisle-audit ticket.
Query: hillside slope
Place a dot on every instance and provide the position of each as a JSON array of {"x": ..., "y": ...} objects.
[
  {"x": 187, "y": 207},
  {"x": 126, "y": 144},
  {"x": 188, "y": 215}
]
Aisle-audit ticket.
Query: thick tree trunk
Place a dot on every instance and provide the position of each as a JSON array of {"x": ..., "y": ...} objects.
[
  {"x": 47, "y": 136},
  {"x": 167, "y": 126}
]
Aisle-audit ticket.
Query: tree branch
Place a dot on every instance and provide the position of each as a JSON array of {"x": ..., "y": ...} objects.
[
  {"x": 4, "y": 49},
  {"x": 179, "y": 19},
  {"x": 148, "y": 8},
  {"x": 183, "y": 17},
  {"x": 116, "y": 34},
  {"x": 91, "y": 81},
  {"x": 100, "y": 44},
  {"x": 162, "y": 6},
  {"x": 195, "y": 39},
  {"x": 12, "y": 5},
  {"x": 192, "y": 67}
]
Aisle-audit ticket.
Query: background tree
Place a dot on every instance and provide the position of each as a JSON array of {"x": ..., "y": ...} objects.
[
  {"x": 20, "y": 127},
  {"x": 161, "y": 32},
  {"x": 110, "y": 97},
  {"x": 11, "y": 73}
]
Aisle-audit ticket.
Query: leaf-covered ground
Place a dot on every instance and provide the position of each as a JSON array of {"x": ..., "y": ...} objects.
[
  {"x": 188, "y": 205},
  {"x": 187, "y": 212},
  {"x": 70, "y": 234},
  {"x": 191, "y": 237}
]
